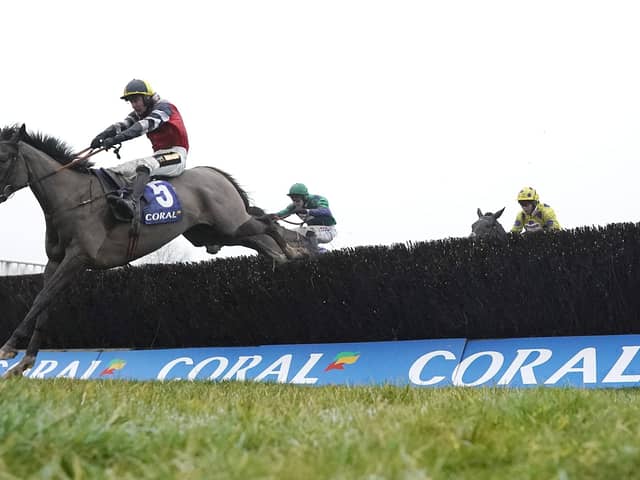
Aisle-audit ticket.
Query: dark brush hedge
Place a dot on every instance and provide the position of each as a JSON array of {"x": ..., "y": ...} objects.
[{"x": 576, "y": 282}]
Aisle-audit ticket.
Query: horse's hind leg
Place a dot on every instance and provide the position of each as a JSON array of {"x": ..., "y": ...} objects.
[
  {"x": 257, "y": 226},
  {"x": 57, "y": 278},
  {"x": 265, "y": 245}
]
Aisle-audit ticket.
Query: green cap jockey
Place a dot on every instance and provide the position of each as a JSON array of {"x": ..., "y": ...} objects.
[{"x": 299, "y": 189}]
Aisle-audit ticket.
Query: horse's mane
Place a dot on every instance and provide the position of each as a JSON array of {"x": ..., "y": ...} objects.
[
  {"x": 60, "y": 151},
  {"x": 243, "y": 194}
]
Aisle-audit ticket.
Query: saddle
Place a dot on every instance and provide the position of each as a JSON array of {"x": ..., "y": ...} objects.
[{"x": 116, "y": 186}]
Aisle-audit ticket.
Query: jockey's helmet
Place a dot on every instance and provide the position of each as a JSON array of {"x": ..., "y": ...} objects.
[
  {"x": 528, "y": 193},
  {"x": 137, "y": 87},
  {"x": 298, "y": 189}
]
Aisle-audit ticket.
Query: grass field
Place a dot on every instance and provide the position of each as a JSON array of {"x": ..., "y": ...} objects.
[{"x": 113, "y": 429}]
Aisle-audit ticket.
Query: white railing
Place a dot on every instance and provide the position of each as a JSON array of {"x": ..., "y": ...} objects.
[{"x": 9, "y": 267}]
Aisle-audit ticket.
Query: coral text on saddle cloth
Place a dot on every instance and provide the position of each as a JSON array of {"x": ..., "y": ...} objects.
[{"x": 161, "y": 203}]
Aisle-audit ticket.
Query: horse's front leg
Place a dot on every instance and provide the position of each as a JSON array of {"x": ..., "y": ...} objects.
[
  {"x": 10, "y": 348},
  {"x": 57, "y": 278}
]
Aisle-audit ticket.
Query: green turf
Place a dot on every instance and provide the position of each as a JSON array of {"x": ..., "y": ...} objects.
[{"x": 113, "y": 429}]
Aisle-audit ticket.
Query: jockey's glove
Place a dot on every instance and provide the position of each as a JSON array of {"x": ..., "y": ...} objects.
[
  {"x": 301, "y": 211},
  {"x": 107, "y": 143},
  {"x": 96, "y": 142}
]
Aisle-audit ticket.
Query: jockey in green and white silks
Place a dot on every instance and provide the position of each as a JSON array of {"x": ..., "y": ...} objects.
[
  {"x": 535, "y": 215},
  {"x": 314, "y": 211}
]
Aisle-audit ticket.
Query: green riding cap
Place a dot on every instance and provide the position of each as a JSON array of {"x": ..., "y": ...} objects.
[{"x": 299, "y": 189}]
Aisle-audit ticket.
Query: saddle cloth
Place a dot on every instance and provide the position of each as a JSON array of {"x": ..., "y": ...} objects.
[{"x": 160, "y": 203}]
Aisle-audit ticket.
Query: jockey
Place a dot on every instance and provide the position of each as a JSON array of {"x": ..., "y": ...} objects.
[
  {"x": 162, "y": 123},
  {"x": 314, "y": 211},
  {"x": 535, "y": 216}
]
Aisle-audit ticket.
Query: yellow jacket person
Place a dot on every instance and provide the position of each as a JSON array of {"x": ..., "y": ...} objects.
[{"x": 535, "y": 215}]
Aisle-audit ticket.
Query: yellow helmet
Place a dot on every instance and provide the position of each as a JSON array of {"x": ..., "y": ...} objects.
[
  {"x": 528, "y": 193},
  {"x": 137, "y": 87}
]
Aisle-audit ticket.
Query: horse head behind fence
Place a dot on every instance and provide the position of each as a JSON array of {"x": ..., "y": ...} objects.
[{"x": 488, "y": 227}]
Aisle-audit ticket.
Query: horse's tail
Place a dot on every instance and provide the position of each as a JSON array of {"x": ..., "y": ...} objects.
[
  {"x": 252, "y": 210},
  {"x": 241, "y": 192}
]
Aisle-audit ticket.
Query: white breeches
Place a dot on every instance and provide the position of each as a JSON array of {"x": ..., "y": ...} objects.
[
  {"x": 162, "y": 163},
  {"x": 324, "y": 234}
]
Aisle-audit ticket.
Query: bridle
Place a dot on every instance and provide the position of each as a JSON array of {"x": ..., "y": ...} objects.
[{"x": 10, "y": 189}]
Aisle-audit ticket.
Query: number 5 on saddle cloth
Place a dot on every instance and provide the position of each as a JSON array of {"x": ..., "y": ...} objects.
[{"x": 160, "y": 203}]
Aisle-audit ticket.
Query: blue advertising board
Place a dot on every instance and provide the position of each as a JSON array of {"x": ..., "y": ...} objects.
[
  {"x": 312, "y": 364},
  {"x": 592, "y": 362}
]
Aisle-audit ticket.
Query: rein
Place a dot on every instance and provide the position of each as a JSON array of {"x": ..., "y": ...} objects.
[
  {"x": 292, "y": 223},
  {"x": 9, "y": 189}
]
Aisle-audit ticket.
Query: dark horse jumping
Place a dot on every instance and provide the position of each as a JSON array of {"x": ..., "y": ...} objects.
[
  {"x": 81, "y": 232},
  {"x": 488, "y": 227}
]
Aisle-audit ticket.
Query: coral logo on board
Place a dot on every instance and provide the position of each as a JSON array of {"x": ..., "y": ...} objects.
[{"x": 342, "y": 359}]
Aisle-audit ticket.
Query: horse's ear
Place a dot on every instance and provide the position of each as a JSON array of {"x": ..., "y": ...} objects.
[
  {"x": 499, "y": 212},
  {"x": 19, "y": 134},
  {"x": 479, "y": 213}
]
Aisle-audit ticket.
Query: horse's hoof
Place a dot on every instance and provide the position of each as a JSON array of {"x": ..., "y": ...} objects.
[
  {"x": 213, "y": 249},
  {"x": 280, "y": 259},
  {"x": 294, "y": 254},
  {"x": 23, "y": 365},
  {"x": 13, "y": 373},
  {"x": 7, "y": 353},
  {"x": 28, "y": 361}
]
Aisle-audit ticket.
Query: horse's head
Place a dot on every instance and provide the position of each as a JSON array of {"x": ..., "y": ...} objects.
[
  {"x": 9, "y": 152},
  {"x": 487, "y": 226}
]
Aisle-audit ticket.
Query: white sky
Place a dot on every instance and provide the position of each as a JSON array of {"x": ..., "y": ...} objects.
[{"x": 406, "y": 115}]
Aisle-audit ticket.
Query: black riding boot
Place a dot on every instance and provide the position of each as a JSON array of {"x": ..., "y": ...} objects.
[{"x": 127, "y": 207}]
